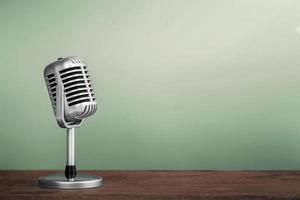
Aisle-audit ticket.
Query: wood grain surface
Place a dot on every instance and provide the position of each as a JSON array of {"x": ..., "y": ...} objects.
[{"x": 163, "y": 185}]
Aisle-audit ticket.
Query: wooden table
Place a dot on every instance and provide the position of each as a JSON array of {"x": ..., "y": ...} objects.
[{"x": 161, "y": 185}]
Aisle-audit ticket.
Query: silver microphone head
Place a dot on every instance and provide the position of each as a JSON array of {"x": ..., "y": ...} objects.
[{"x": 69, "y": 75}]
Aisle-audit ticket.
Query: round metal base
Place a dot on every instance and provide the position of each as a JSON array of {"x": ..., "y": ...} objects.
[{"x": 59, "y": 181}]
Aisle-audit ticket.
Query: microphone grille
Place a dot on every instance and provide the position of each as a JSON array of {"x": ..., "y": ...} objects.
[
  {"x": 77, "y": 85},
  {"x": 52, "y": 83},
  {"x": 76, "y": 60},
  {"x": 71, "y": 73}
]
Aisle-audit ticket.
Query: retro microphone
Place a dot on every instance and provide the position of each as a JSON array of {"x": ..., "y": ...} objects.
[{"x": 73, "y": 100}]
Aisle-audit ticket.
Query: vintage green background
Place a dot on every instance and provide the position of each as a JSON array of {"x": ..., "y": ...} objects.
[{"x": 181, "y": 84}]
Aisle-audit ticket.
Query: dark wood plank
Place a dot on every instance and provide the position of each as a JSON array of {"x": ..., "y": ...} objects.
[{"x": 163, "y": 185}]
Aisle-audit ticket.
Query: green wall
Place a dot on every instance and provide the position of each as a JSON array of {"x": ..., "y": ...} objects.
[{"x": 181, "y": 84}]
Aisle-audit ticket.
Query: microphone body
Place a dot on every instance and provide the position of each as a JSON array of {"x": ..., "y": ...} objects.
[{"x": 68, "y": 81}]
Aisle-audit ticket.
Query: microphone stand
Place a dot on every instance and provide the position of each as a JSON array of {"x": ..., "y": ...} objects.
[
  {"x": 70, "y": 179},
  {"x": 70, "y": 171}
]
